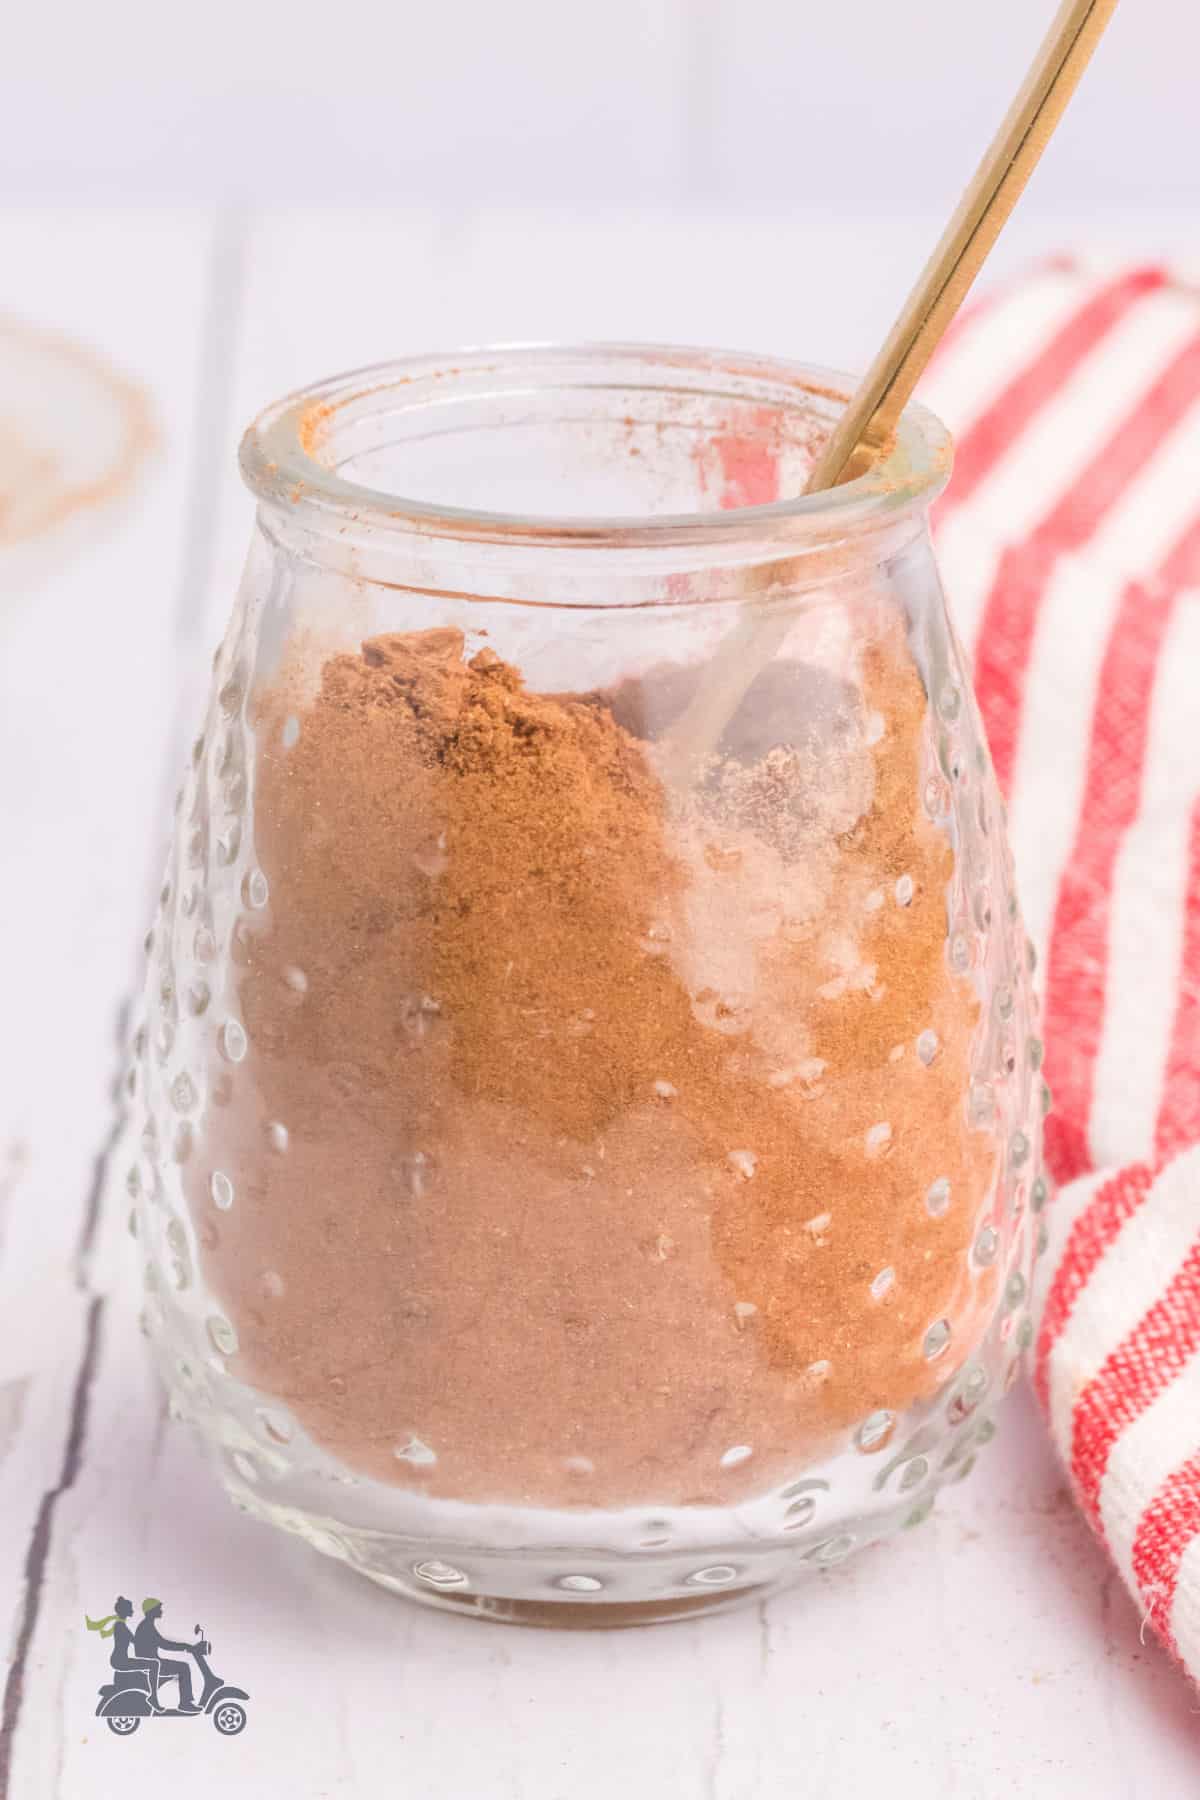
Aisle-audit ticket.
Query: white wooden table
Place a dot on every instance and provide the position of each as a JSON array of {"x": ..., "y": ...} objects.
[{"x": 990, "y": 1654}]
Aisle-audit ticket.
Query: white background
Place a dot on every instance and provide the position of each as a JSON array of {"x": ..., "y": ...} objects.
[
  {"x": 228, "y": 200},
  {"x": 788, "y": 106}
]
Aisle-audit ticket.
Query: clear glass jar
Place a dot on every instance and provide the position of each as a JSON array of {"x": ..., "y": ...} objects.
[{"x": 592, "y": 1119}]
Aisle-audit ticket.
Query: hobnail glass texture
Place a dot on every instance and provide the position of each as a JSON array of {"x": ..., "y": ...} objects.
[{"x": 582, "y": 515}]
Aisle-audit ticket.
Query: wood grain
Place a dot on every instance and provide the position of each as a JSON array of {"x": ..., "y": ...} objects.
[{"x": 986, "y": 1654}]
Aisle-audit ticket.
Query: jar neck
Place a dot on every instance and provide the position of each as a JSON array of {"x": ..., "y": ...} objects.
[
  {"x": 584, "y": 476},
  {"x": 588, "y": 576}
]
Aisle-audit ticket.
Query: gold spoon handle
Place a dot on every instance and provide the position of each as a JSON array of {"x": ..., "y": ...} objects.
[{"x": 875, "y": 406}]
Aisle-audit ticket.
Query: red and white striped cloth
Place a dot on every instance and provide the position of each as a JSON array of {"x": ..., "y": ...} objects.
[{"x": 1070, "y": 545}]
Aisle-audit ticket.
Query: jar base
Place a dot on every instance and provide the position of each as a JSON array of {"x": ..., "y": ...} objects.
[
  {"x": 576, "y": 1615},
  {"x": 585, "y": 1585},
  {"x": 557, "y": 1588}
]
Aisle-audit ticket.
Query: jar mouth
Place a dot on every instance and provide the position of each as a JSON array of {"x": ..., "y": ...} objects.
[{"x": 331, "y": 449}]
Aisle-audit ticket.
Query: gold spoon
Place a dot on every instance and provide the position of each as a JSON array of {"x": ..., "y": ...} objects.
[{"x": 875, "y": 406}]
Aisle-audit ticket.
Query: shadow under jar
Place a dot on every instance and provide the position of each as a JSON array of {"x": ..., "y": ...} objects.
[{"x": 591, "y": 1113}]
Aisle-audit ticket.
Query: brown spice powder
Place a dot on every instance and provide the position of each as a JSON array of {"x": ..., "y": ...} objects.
[{"x": 590, "y": 1142}]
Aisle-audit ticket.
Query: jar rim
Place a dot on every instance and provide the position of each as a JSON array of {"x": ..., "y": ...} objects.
[{"x": 281, "y": 462}]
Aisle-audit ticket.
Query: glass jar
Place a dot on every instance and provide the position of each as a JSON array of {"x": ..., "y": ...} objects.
[{"x": 591, "y": 1113}]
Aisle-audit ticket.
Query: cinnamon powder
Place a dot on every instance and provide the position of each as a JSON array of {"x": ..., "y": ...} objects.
[{"x": 594, "y": 1147}]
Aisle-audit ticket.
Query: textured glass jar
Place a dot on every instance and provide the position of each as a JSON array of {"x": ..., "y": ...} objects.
[{"x": 591, "y": 1111}]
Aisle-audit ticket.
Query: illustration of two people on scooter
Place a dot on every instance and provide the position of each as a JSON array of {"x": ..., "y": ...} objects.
[{"x": 141, "y": 1668}]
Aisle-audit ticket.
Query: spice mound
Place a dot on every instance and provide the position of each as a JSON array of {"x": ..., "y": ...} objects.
[{"x": 597, "y": 1143}]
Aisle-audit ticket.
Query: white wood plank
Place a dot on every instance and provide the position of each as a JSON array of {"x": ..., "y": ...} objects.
[
  {"x": 331, "y": 290},
  {"x": 334, "y": 289},
  {"x": 276, "y": 99},
  {"x": 849, "y": 110},
  {"x": 766, "y": 105},
  {"x": 89, "y": 670},
  {"x": 992, "y": 1652}
]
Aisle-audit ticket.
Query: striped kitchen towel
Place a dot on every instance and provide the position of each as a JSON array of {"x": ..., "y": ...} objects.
[{"x": 1070, "y": 546}]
